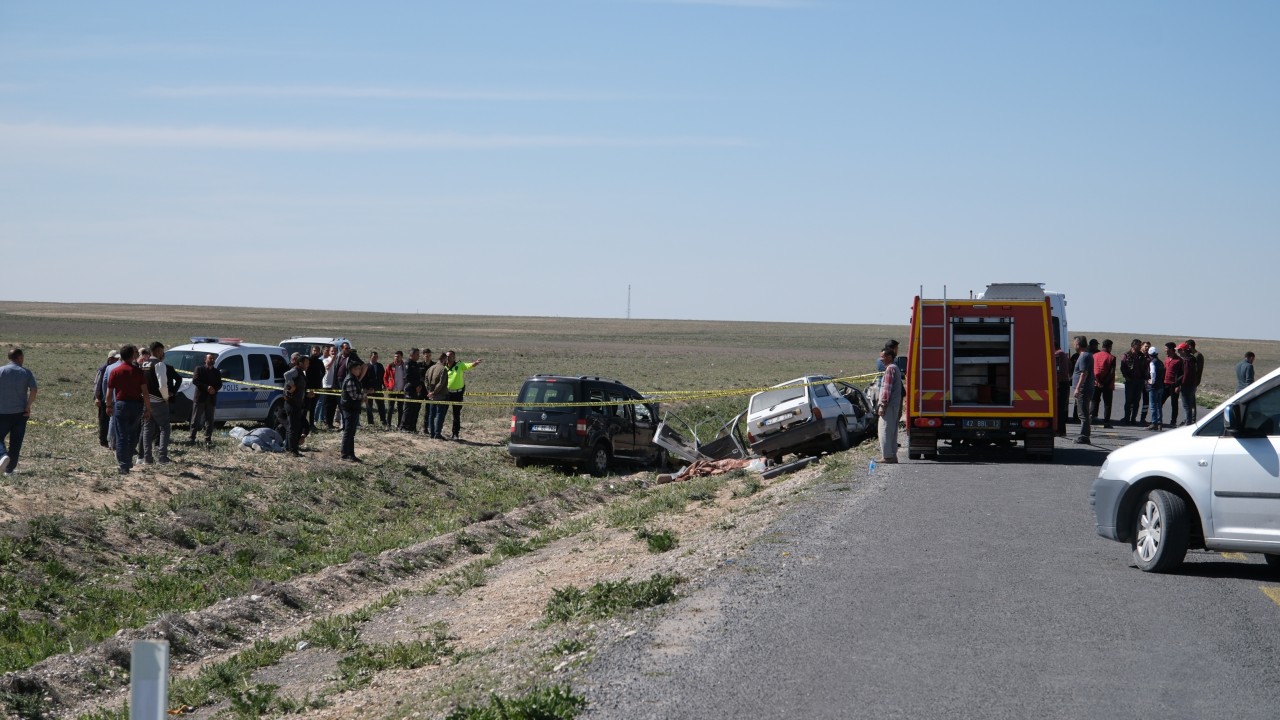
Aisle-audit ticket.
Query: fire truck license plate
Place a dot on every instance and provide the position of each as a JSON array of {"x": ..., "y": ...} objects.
[{"x": 982, "y": 424}]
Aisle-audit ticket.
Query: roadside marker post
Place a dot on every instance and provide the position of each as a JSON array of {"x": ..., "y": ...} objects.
[{"x": 149, "y": 680}]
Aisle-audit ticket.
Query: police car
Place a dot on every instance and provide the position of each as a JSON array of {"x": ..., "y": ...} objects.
[{"x": 252, "y": 379}]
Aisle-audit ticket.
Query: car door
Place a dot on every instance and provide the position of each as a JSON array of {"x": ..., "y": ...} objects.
[
  {"x": 624, "y": 425},
  {"x": 646, "y": 424},
  {"x": 1246, "y": 474},
  {"x": 232, "y": 397},
  {"x": 862, "y": 416}
]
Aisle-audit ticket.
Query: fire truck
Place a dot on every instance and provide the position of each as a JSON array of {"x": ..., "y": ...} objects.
[{"x": 980, "y": 370}]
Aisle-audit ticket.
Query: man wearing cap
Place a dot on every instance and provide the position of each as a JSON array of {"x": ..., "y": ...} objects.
[
  {"x": 1155, "y": 388},
  {"x": 99, "y": 387},
  {"x": 1173, "y": 372}
]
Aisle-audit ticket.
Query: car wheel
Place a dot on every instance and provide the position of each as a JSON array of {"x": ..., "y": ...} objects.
[
  {"x": 599, "y": 460},
  {"x": 1160, "y": 532},
  {"x": 1273, "y": 561},
  {"x": 273, "y": 417},
  {"x": 662, "y": 462},
  {"x": 522, "y": 462},
  {"x": 842, "y": 435}
]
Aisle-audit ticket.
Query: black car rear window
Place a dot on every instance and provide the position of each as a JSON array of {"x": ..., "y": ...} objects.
[{"x": 546, "y": 392}]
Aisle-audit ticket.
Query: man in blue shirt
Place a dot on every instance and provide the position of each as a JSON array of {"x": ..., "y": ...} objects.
[{"x": 17, "y": 395}]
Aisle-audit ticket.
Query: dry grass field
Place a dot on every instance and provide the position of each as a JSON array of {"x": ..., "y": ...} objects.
[{"x": 241, "y": 559}]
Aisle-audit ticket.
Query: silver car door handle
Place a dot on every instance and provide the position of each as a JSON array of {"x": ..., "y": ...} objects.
[{"x": 1203, "y": 463}]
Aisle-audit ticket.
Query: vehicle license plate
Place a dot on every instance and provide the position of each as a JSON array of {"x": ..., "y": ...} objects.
[
  {"x": 983, "y": 424},
  {"x": 777, "y": 419},
  {"x": 543, "y": 428}
]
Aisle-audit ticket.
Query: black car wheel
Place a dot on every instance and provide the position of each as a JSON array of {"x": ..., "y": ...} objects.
[
  {"x": 842, "y": 435},
  {"x": 1161, "y": 532},
  {"x": 599, "y": 464}
]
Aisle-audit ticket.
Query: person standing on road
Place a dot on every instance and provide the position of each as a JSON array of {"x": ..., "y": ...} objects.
[
  {"x": 351, "y": 401},
  {"x": 1133, "y": 368},
  {"x": 207, "y": 380},
  {"x": 457, "y": 387},
  {"x": 295, "y": 403},
  {"x": 1146, "y": 395},
  {"x": 1062, "y": 368},
  {"x": 1244, "y": 371},
  {"x": 1104, "y": 377},
  {"x": 17, "y": 394},
  {"x": 1188, "y": 389},
  {"x": 393, "y": 383},
  {"x": 130, "y": 405},
  {"x": 155, "y": 432},
  {"x": 1174, "y": 369},
  {"x": 1198, "y": 376},
  {"x": 1082, "y": 386},
  {"x": 99, "y": 387},
  {"x": 328, "y": 403},
  {"x": 437, "y": 386},
  {"x": 373, "y": 389},
  {"x": 889, "y": 407},
  {"x": 1155, "y": 388}
]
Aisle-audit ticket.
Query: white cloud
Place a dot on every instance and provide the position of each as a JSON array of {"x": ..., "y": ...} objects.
[
  {"x": 28, "y": 135},
  {"x": 369, "y": 92}
]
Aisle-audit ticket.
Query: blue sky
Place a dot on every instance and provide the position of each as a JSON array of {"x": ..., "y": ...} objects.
[{"x": 728, "y": 159}]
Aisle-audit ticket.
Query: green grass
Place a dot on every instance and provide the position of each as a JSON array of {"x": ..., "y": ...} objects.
[
  {"x": 542, "y": 703},
  {"x": 658, "y": 541},
  {"x": 606, "y": 599}
]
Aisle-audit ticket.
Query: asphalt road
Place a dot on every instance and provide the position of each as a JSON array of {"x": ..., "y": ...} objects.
[{"x": 963, "y": 588}]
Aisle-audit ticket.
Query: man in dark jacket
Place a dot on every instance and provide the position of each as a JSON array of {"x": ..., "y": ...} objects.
[
  {"x": 208, "y": 381},
  {"x": 1133, "y": 367},
  {"x": 1173, "y": 372},
  {"x": 295, "y": 402},
  {"x": 315, "y": 378},
  {"x": 99, "y": 386},
  {"x": 414, "y": 391},
  {"x": 373, "y": 389},
  {"x": 350, "y": 402}
]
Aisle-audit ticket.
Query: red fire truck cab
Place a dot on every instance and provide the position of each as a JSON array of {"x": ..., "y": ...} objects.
[{"x": 980, "y": 371}]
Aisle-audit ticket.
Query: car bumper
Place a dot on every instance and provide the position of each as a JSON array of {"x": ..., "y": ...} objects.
[
  {"x": 1105, "y": 497},
  {"x": 793, "y": 437},
  {"x": 549, "y": 452}
]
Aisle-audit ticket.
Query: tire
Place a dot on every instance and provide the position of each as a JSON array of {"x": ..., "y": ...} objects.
[
  {"x": 842, "y": 435},
  {"x": 1273, "y": 562},
  {"x": 273, "y": 417},
  {"x": 522, "y": 462},
  {"x": 1160, "y": 532},
  {"x": 598, "y": 465},
  {"x": 662, "y": 463}
]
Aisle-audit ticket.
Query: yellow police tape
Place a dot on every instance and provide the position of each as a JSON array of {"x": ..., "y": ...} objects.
[{"x": 658, "y": 395}]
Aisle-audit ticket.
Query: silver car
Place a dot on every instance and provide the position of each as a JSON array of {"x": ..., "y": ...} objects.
[
  {"x": 1213, "y": 485},
  {"x": 811, "y": 412}
]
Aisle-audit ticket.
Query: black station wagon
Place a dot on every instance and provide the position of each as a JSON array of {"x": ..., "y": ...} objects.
[{"x": 615, "y": 423}]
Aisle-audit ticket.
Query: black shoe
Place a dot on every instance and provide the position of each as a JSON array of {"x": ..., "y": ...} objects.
[
  {"x": 1082, "y": 440},
  {"x": 1107, "y": 426}
]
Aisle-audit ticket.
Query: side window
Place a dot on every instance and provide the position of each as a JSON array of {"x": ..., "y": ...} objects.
[
  {"x": 820, "y": 391},
  {"x": 231, "y": 367},
  {"x": 279, "y": 366},
  {"x": 1262, "y": 416},
  {"x": 621, "y": 411},
  {"x": 644, "y": 414},
  {"x": 594, "y": 395},
  {"x": 259, "y": 367}
]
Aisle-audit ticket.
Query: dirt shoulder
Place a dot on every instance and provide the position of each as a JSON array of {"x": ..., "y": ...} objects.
[{"x": 488, "y": 607}]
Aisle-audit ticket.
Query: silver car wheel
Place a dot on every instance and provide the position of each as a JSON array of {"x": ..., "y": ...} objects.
[{"x": 1150, "y": 530}]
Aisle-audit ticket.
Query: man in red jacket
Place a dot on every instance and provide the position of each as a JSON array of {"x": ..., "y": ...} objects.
[{"x": 1104, "y": 375}]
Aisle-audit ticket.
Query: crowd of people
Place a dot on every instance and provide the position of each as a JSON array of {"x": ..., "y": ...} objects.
[{"x": 1087, "y": 381}]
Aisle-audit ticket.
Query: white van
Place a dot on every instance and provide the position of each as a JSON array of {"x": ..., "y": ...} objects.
[{"x": 252, "y": 379}]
